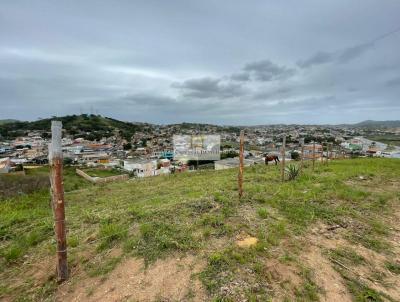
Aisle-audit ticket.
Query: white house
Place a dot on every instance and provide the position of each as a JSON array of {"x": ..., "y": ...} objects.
[{"x": 141, "y": 167}]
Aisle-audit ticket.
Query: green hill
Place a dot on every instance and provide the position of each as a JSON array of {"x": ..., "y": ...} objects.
[
  {"x": 93, "y": 126},
  {"x": 331, "y": 234},
  {"x": 8, "y": 121},
  {"x": 378, "y": 124}
]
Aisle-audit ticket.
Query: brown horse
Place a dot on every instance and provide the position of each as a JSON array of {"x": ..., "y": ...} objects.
[{"x": 271, "y": 157}]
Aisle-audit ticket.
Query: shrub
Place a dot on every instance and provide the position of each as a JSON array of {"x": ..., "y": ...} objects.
[{"x": 292, "y": 171}]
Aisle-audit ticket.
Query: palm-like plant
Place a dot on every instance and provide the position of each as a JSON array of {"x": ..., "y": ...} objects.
[{"x": 292, "y": 171}]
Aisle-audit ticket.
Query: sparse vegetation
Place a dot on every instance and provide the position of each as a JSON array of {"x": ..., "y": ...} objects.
[{"x": 200, "y": 214}]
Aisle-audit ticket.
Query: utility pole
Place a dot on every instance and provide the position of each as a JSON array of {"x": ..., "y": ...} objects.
[
  {"x": 57, "y": 194},
  {"x": 283, "y": 158},
  {"x": 241, "y": 164},
  {"x": 313, "y": 156}
]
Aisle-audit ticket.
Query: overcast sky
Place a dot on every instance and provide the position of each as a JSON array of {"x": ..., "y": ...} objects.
[{"x": 224, "y": 62}]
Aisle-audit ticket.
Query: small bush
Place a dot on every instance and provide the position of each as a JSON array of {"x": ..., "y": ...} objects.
[{"x": 292, "y": 171}]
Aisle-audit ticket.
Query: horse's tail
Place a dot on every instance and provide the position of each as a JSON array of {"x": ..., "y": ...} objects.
[{"x": 277, "y": 158}]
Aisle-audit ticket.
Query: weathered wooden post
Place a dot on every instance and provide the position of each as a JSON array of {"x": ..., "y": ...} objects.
[
  {"x": 302, "y": 154},
  {"x": 57, "y": 194},
  {"x": 327, "y": 153},
  {"x": 283, "y": 151},
  {"x": 241, "y": 164},
  {"x": 313, "y": 156}
]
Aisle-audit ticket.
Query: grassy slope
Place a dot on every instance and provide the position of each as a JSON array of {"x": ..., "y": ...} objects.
[{"x": 155, "y": 217}]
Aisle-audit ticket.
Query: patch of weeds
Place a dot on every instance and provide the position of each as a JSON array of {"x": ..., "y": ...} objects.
[
  {"x": 201, "y": 206},
  {"x": 223, "y": 266},
  {"x": 309, "y": 289},
  {"x": 347, "y": 256},
  {"x": 394, "y": 267},
  {"x": 378, "y": 227},
  {"x": 136, "y": 212},
  {"x": 213, "y": 220},
  {"x": 273, "y": 234},
  {"x": 90, "y": 217},
  {"x": 217, "y": 271},
  {"x": 262, "y": 212},
  {"x": 157, "y": 238},
  {"x": 22, "y": 243},
  {"x": 110, "y": 233},
  {"x": 371, "y": 242},
  {"x": 13, "y": 253},
  {"x": 102, "y": 268},
  {"x": 73, "y": 241},
  {"x": 360, "y": 291},
  {"x": 287, "y": 258},
  {"x": 46, "y": 291}
]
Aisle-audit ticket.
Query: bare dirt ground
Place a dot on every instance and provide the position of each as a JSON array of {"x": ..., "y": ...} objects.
[{"x": 171, "y": 279}]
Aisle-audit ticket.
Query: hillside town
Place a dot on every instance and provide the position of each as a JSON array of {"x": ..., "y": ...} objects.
[{"x": 150, "y": 151}]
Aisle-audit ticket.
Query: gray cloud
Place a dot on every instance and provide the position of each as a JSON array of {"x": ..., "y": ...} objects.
[
  {"x": 354, "y": 52},
  {"x": 393, "y": 82},
  {"x": 266, "y": 70},
  {"x": 208, "y": 88},
  {"x": 342, "y": 56},
  {"x": 241, "y": 76},
  {"x": 171, "y": 61},
  {"x": 318, "y": 58}
]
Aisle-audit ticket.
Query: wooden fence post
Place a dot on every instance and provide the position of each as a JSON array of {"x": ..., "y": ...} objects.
[
  {"x": 241, "y": 164},
  {"x": 327, "y": 153},
  {"x": 57, "y": 194},
  {"x": 302, "y": 154},
  {"x": 313, "y": 156},
  {"x": 283, "y": 158}
]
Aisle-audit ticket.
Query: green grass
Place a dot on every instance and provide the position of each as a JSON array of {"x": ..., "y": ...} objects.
[
  {"x": 394, "y": 267},
  {"x": 347, "y": 256},
  {"x": 186, "y": 213}
]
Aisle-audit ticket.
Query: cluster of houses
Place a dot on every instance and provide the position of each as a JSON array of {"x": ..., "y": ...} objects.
[{"x": 156, "y": 156}]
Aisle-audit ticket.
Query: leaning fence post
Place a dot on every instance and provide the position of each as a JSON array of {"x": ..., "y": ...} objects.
[
  {"x": 240, "y": 175},
  {"x": 57, "y": 194},
  {"x": 313, "y": 156},
  {"x": 283, "y": 158}
]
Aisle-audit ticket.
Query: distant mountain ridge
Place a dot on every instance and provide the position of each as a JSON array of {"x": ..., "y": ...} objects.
[
  {"x": 378, "y": 124},
  {"x": 93, "y": 127},
  {"x": 7, "y": 121}
]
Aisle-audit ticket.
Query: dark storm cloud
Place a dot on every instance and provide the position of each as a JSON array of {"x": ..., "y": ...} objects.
[{"x": 171, "y": 61}]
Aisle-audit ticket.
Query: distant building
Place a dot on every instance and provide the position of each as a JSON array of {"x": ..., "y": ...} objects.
[
  {"x": 5, "y": 165},
  {"x": 141, "y": 167},
  {"x": 309, "y": 150}
]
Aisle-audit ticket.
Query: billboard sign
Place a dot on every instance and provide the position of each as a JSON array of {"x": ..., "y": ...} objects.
[{"x": 196, "y": 147}]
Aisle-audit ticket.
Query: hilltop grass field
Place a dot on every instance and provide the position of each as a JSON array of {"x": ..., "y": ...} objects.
[{"x": 329, "y": 235}]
